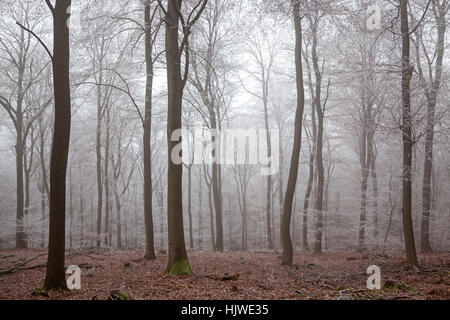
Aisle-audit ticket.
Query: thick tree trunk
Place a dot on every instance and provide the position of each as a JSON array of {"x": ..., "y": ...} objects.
[
  {"x": 293, "y": 171},
  {"x": 407, "y": 70},
  {"x": 55, "y": 275},
  {"x": 178, "y": 259}
]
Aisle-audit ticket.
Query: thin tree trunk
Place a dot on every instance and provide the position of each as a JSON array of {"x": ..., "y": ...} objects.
[
  {"x": 21, "y": 242},
  {"x": 407, "y": 137},
  {"x": 106, "y": 178},
  {"x": 293, "y": 172},
  {"x": 211, "y": 218},
  {"x": 81, "y": 215},
  {"x": 429, "y": 136},
  {"x": 191, "y": 237},
  {"x": 269, "y": 153},
  {"x": 99, "y": 165},
  {"x": 148, "y": 214},
  {"x": 200, "y": 216},
  {"x": 375, "y": 202},
  {"x": 70, "y": 210},
  {"x": 319, "y": 151},
  {"x": 119, "y": 221}
]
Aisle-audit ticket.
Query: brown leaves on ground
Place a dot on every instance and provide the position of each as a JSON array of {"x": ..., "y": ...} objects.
[{"x": 231, "y": 275}]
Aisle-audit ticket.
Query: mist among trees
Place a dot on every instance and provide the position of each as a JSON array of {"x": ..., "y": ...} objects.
[{"x": 343, "y": 106}]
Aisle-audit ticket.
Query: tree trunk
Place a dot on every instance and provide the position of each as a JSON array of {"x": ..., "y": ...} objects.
[
  {"x": 119, "y": 219},
  {"x": 200, "y": 216},
  {"x": 216, "y": 192},
  {"x": 55, "y": 275},
  {"x": 106, "y": 177},
  {"x": 375, "y": 202},
  {"x": 211, "y": 218},
  {"x": 81, "y": 216},
  {"x": 191, "y": 237},
  {"x": 293, "y": 171},
  {"x": 429, "y": 137},
  {"x": 148, "y": 214},
  {"x": 407, "y": 70},
  {"x": 269, "y": 153},
  {"x": 99, "y": 165},
  {"x": 21, "y": 242},
  {"x": 70, "y": 210},
  {"x": 318, "y": 203},
  {"x": 178, "y": 259}
]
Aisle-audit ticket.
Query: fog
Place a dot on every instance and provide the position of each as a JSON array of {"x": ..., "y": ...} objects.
[{"x": 241, "y": 76}]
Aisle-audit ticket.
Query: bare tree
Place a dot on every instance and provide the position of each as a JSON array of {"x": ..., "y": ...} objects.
[
  {"x": 176, "y": 81},
  {"x": 55, "y": 275},
  {"x": 293, "y": 171},
  {"x": 431, "y": 85},
  {"x": 407, "y": 70},
  {"x": 18, "y": 49}
]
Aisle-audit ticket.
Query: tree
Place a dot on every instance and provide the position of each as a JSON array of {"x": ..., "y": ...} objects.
[
  {"x": 312, "y": 152},
  {"x": 242, "y": 176},
  {"x": 293, "y": 171},
  {"x": 120, "y": 173},
  {"x": 178, "y": 261},
  {"x": 209, "y": 79},
  {"x": 431, "y": 86},
  {"x": 314, "y": 19},
  {"x": 263, "y": 53},
  {"x": 407, "y": 137},
  {"x": 55, "y": 275},
  {"x": 18, "y": 49},
  {"x": 151, "y": 32}
]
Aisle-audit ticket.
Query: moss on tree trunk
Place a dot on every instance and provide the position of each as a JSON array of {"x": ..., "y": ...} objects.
[{"x": 180, "y": 267}]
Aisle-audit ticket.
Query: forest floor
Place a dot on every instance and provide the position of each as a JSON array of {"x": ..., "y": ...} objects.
[{"x": 231, "y": 275}]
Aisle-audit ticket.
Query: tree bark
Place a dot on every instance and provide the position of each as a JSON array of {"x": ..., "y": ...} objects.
[
  {"x": 178, "y": 259},
  {"x": 55, "y": 275},
  {"x": 106, "y": 177},
  {"x": 293, "y": 171},
  {"x": 318, "y": 203},
  {"x": 98, "y": 163},
  {"x": 148, "y": 210},
  {"x": 21, "y": 242},
  {"x": 407, "y": 138},
  {"x": 375, "y": 201},
  {"x": 191, "y": 237},
  {"x": 429, "y": 136}
]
